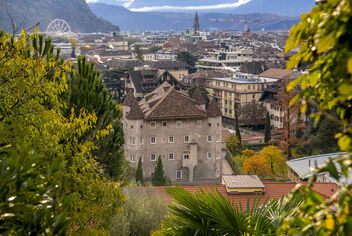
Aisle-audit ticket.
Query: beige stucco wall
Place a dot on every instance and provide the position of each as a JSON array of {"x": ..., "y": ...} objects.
[{"x": 198, "y": 147}]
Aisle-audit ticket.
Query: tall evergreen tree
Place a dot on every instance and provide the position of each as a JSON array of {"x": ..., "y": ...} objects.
[
  {"x": 139, "y": 173},
  {"x": 86, "y": 90},
  {"x": 238, "y": 133},
  {"x": 158, "y": 178},
  {"x": 267, "y": 129}
]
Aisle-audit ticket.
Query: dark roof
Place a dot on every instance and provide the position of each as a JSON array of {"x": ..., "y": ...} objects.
[
  {"x": 128, "y": 101},
  {"x": 213, "y": 109},
  {"x": 175, "y": 105},
  {"x": 120, "y": 63},
  {"x": 135, "y": 112},
  {"x": 145, "y": 81},
  {"x": 167, "y": 64},
  {"x": 199, "y": 97}
]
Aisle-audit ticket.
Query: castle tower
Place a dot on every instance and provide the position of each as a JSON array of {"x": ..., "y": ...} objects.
[{"x": 196, "y": 25}]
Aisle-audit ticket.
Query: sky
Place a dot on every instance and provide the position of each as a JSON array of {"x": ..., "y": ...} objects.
[{"x": 174, "y": 5}]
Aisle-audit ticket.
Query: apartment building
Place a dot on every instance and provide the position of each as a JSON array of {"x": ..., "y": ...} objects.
[
  {"x": 242, "y": 91},
  {"x": 179, "y": 129},
  {"x": 230, "y": 57}
]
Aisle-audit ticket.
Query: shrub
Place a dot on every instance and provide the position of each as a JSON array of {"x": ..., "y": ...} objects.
[{"x": 141, "y": 213}]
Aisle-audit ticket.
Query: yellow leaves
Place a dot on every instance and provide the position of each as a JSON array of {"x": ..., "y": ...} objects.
[
  {"x": 345, "y": 143},
  {"x": 349, "y": 65},
  {"x": 303, "y": 107},
  {"x": 326, "y": 42},
  {"x": 329, "y": 223}
]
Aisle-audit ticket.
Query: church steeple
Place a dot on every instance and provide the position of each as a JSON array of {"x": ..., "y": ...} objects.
[{"x": 196, "y": 25}]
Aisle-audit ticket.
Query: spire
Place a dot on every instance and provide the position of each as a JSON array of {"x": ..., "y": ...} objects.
[
  {"x": 128, "y": 99},
  {"x": 199, "y": 97},
  {"x": 213, "y": 109},
  {"x": 196, "y": 24}
]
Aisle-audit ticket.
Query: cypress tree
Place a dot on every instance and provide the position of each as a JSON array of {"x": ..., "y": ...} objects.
[
  {"x": 158, "y": 178},
  {"x": 238, "y": 133},
  {"x": 267, "y": 130},
  {"x": 139, "y": 173}
]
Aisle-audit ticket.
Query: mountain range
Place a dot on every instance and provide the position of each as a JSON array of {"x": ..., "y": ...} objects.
[
  {"x": 278, "y": 7},
  {"x": 165, "y": 21},
  {"x": 76, "y": 12}
]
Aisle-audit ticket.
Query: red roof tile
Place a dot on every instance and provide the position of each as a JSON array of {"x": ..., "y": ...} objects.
[{"x": 273, "y": 190}]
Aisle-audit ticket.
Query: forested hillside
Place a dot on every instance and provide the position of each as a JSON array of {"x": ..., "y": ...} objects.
[{"x": 75, "y": 12}]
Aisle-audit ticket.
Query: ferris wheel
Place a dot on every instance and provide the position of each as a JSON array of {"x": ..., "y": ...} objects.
[{"x": 58, "y": 27}]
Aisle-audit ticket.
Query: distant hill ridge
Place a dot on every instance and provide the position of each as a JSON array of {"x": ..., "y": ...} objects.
[
  {"x": 165, "y": 21},
  {"x": 76, "y": 12}
]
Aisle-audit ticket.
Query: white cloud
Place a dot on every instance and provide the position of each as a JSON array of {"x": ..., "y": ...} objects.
[
  {"x": 205, "y": 7},
  {"x": 91, "y": 1},
  {"x": 128, "y": 3}
]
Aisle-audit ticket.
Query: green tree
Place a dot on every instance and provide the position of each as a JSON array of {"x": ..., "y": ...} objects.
[
  {"x": 190, "y": 59},
  {"x": 158, "y": 178},
  {"x": 33, "y": 113},
  {"x": 267, "y": 128},
  {"x": 324, "y": 39},
  {"x": 26, "y": 207},
  {"x": 141, "y": 213},
  {"x": 238, "y": 132},
  {"x": 233, "y": 144},
  {"x": 138, "y": 52},
  {"x": 86, "y": 90},
  {"x": 139, "y": 173}
]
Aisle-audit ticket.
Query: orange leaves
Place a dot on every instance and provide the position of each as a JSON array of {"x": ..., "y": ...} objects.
[{"x": 257, "y": 165}]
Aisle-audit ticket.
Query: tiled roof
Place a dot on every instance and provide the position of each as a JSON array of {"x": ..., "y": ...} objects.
[
  {"x": 273, "y": 190},
  {"x": 128, "y": 101},
  {"x": 175, "y": 105},
  {"x": 135, "y": 112},
  {"x": 276, "y": 73},
  {"x": 199, "y": 97},
  {"x": 167, "y": 64},
  {"x": 213, "y": 109}
]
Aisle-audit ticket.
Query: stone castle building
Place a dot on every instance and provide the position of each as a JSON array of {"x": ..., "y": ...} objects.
[{"x": 170, "y": 124}]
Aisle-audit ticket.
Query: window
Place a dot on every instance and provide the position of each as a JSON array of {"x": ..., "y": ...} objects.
[
  {"x": 253, "y": 96},
  {"x": 187, "y": 139},
  {"x": 249, "y": 87},
  {"x": 131, "y": 126},
  {"x": 132, "y": 140},
  {"x": 230, "y": 111},
  {"x": 271, "y": 116},
  {"x": 230, "y": 102},
  {"x": 225, "y": 102},
  {"x": 164, "y": 123},
  {"x": 171, "y": 139},
  {"x": 179, "y": 174},
  {"x": 198, "y": 123},
  {"x": 141, "y": 141},
  {"x": 153, "y": 157},
  {"x": 209, "y": 124},
  {"x": 218, "y": 138},
  {"x": 209, "y": 138},
  {"x": 225, "y": 110},
  {"x": 271, "y": 106},
  {"x": 186, "y": 156},
  {"x": 179, "y": 124},
  {"x": 209, "y": 155},
  {"x": 153, "y": 140},
  {"x": 132, "y": 158},
  {"x": 153, "y": 124},
  {"x": 171, "y": 156}
]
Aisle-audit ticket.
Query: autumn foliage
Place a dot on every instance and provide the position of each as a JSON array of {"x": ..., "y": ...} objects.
[{"x": 257, "y": 165}]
